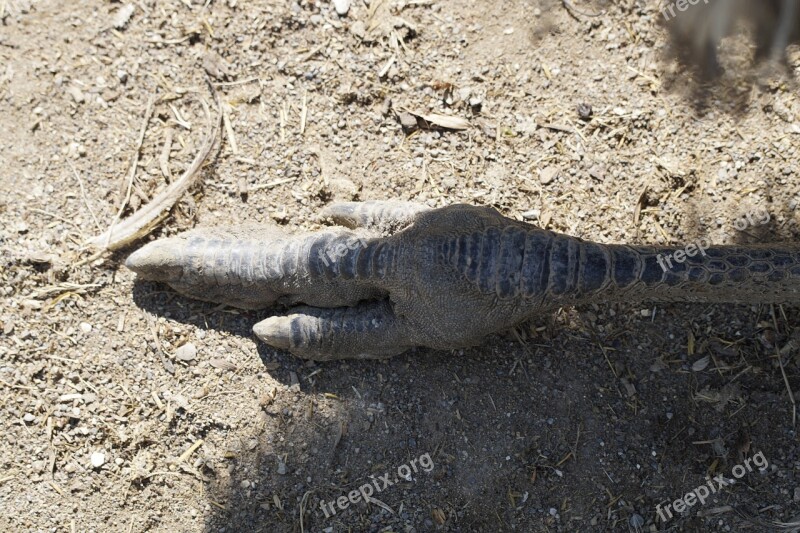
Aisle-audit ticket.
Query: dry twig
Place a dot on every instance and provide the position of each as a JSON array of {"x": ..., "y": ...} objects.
[
  {"x": 83, "y": 194},
  {"x": 145, "y": 219}
]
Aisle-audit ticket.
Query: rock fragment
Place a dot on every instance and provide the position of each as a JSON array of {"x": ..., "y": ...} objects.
[
  {"x": 341, "y": 7},
  {"x": 98, "y": 459},
  {"x": 186, "y": 353},
  {"x": 122, "y": 16},
  {"x": 547, "y": 175}
]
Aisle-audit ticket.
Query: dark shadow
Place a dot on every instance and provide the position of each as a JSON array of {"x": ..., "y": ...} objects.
[
  {"x": 572, "y": 404},
  {"x": 553, "y": 409},
  {"x": 728, "y": 93},
  {"x": 723, "y": 73}
]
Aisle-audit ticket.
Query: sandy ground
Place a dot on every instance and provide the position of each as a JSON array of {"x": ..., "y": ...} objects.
[{"x": 583, "y": 420}]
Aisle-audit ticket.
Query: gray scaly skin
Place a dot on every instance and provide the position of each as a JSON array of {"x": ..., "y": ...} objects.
[{"x": 443, "y": 278}]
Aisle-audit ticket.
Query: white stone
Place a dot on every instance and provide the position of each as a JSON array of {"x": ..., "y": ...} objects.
[
  {"x": 98, "y": 459},
  {"x": 341, "y": 7},
  {"x": 187, "y": 352}
]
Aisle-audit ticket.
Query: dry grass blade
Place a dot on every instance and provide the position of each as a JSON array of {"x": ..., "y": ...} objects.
[
  {"x": 83, "y": 194},
  {"x": 128, "y": 182},
  {"x": 446, "y": 121},
  {"x": 229, "y": 129},
  {"x": 303, "y": 506},
  {"x": 185, "y": 455},
  {"x": 145, "y": 219},
  {"x": 380, "y": 504},
  {"x": 50, "y": 290},
  {"x": 701, "y": 364},
  {"x": 163, "y": 159}
]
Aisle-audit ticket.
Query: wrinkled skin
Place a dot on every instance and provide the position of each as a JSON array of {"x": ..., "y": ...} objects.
[
  {"x": 399, "y": 301},
  {"x": 404, "y": 275}
]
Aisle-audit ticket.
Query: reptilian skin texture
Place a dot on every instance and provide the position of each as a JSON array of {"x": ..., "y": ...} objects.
[{"x": 446, "y": 279}]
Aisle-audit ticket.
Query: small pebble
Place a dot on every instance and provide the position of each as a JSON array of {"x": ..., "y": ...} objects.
[
  {"x": 359, "y": 29},
  {"x": 76, "y": 94},
  {"x": 187, "y": 352},
  {"x": 86, "y": 327},
  {"x": 533, "y": 214},
  {"x": 98, "y": 459},
  {"x": 585, "y": 111},
  {"x": 408, "y": 122},
  {"x": 547, "y": 175},
  {"x": 637, "y": 521},
  {"x": 122, "y": 16},
  {"x": 341, "y": 7}
]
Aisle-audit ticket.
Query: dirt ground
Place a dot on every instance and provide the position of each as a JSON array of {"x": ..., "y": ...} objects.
[{"x": 585, "y": 420}]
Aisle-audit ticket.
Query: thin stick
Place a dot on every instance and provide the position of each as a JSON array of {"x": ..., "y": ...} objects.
[
  {"x": 163, "y": 160},
  {"x": 134, "y": 165},
  {"x": 303, "y": 504},
  {"x": 60, "y": 219},
  {"x": 226, "y": 119},
  {"x": 304, "y": 113},
  {"x": 284, "y": 112},
  {"x": 272, "y": 184},
  {"x": 233, "y": 83},
  {"x": 185, "y": 455},
  {"x": 83, "y": 194},
  {"x": 145, "y": 219},
  {"x": 783, "y": 371}
]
